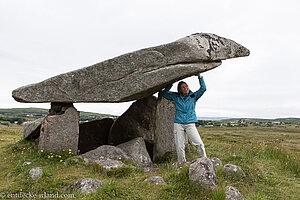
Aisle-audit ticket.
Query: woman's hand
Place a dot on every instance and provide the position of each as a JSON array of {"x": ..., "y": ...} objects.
[{"x": 199, "y": 74}]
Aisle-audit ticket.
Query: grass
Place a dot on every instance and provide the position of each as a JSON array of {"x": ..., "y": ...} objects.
[{"x": 274, "y": 150}]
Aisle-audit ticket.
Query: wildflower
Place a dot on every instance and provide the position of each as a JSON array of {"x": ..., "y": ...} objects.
[
  {"x": 42, "y": 150},
  {"x": 51, "y": 153},
  {"x": 51, "y": 156},
  {"x": 120, "y": 158},
  {"x": 21, "y": 190},
  {"x": 70, "y": 150},
  {"x": 285, "y": 163},
  {"x": 21, "y": 152},
  {"x": 59, "y": 156},
  {"x": 60, "y": 160}
]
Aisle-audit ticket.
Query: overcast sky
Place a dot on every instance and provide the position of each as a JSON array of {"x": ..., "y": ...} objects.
[{"x": 40, "y": 39}]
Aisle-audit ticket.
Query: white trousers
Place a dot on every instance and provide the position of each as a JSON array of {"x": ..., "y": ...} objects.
[{"x": 191, "y": 130}]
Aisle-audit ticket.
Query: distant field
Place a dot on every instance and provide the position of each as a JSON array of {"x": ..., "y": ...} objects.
[{"x": 273, "y": 149}]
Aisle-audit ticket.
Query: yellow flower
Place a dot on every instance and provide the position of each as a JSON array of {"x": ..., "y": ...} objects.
[
  {"x": 51, "y": 156},
  {"x": 59, "y": 156},
  {"x": 21, "y": 190},
  {"x": 21, "y": 152},
  {"x": 60, "y": 160},
  {"x": 70, "y": 150},
  {"x": 42, "y": 150}
]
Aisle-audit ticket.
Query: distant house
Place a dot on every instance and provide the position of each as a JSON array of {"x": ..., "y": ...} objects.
[{"x": 276, "y": 122}]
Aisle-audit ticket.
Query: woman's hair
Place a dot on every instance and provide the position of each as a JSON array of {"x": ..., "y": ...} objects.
[{"x": 178, "y": 86}]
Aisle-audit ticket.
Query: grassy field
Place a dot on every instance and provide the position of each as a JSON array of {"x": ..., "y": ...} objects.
[{"x": 272, "y": 149}]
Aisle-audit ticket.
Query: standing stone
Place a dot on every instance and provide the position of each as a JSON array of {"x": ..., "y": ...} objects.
[
  {"x": 202, "y": 173},
  {"x": 31, "y": 129},
  {"x": 94, "y": 134},
  {"x": 136, "y": 149},
  {"x": 137, "y": 121},
  {"x": 164, "y": 130},
  {"x": 232, "y": 193},
  {"x": 60, "y": 132}
]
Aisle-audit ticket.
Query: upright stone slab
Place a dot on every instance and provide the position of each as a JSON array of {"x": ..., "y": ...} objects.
[
  {"x": 94, "y": 134},
  {"x": 137, "y": 121},
  {"x": 60, "y": 131},
  {"x": 164, "y": 130}
]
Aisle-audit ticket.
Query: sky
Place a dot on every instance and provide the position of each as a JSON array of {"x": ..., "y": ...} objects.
[{"x": 44, "y": 38}]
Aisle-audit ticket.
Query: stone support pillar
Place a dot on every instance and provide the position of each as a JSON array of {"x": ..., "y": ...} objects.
[{"x": 60, "y": 129}]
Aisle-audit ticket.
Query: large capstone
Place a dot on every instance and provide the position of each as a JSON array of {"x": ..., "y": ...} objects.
[
  {"x": 134, "y": 75},
  {"x": 94, "y": 134}
]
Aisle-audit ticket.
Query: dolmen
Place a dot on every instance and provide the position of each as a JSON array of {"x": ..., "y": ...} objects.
[{"x": 132, "y": 76}]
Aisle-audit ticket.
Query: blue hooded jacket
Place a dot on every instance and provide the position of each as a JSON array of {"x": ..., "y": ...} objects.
[{"x": 185, "y": 107}]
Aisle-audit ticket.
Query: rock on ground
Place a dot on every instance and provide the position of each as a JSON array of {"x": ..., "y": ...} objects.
[
  {"x": 232, "y": 193},
  {"x": 155, "y": 180},
  {"x": 202, "y": 173},
  {"x": 135, "y": 75},
  {"x": 36, "y": 173},
  {"x": 86, "y": 185},
  {"x": 31, "y": 129},
  {"x": 233, "y": 169},
  {"x": 216, "y": 162},
  {"x": 103, "y": 152},
  {"x": 136, "y": 149},
  {"x": 109, "y": 164},
  {"x": 94, "y": 134}
]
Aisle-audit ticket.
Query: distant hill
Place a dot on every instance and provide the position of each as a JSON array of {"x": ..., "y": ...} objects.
[
  {"x": 20, "y": 115},
  {"x": 253, "y": 120}
]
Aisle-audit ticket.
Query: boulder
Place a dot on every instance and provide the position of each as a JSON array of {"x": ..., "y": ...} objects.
[
  {"x": 155, "y": 180},
  {"x": 86, "y": 185},
  {"x": 150, "y": 170},
  {"x": 137, "y": 121},
  {"x": 94, "y": 134},
  {"x": 105, "y": 152},
  {"x": 202, "y": 173},
  {"x": 136, "y": 149},
  {"x": 230, "y": 168},
  {"x": 134, "y": 75},
  {"x": 31, "y": 129},
  {"x": 36, "y": 173},
  {"x": 216, "y": 162},
  {"x": 60, "y": 132},
  {"x": 232, "y": 193},
  {"x": 164, "y": 128}
]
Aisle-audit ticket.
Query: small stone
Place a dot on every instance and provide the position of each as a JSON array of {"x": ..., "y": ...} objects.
[
  {"x": 86, "y": 185},
  {"x": 150, "y": 170},
  {"x": 216, "y": 162},
  {"x": 26, "y": 163},
  {"x": 36, "y": 173},
  {"x": 233, "y": 169},
  {"x": 233, "y": 194},
  {"x": 9, "y": 175},
  {"x": 202, "y": 173},
  {"x": 155, "y": 180}
]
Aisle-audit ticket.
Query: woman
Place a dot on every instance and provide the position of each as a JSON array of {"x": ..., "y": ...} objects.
[{"x": 185, "y": 117}]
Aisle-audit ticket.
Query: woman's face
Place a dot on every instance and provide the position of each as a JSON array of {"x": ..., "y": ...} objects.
[{"x": 184, "y": 89}]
